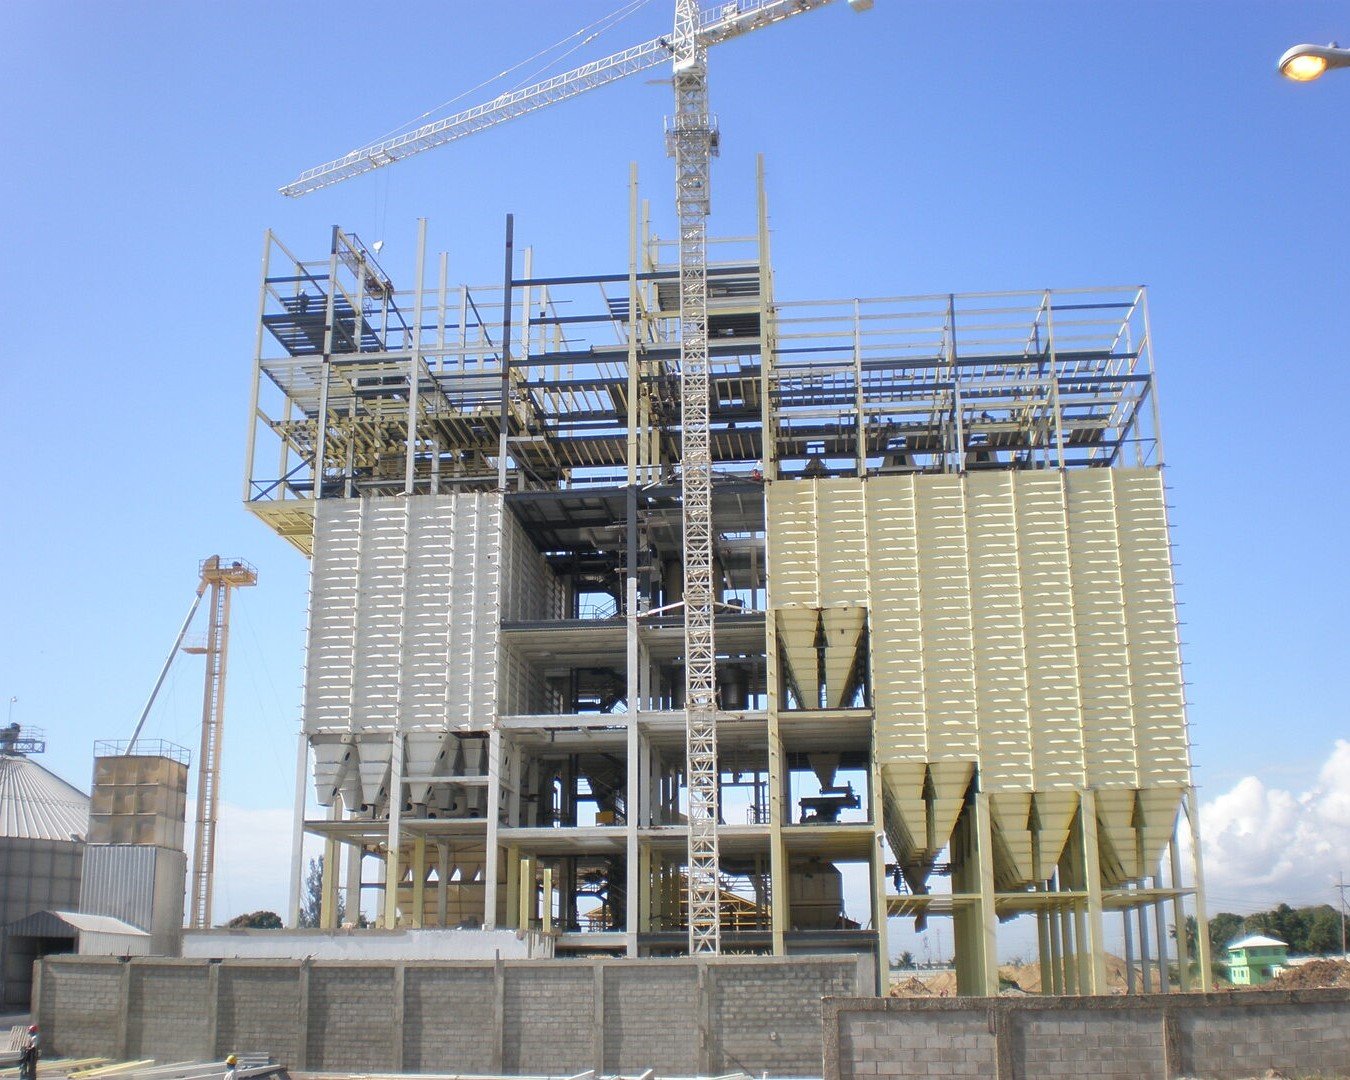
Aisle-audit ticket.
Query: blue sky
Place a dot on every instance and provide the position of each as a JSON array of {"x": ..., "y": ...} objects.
[{"x": 922, "y": 147}]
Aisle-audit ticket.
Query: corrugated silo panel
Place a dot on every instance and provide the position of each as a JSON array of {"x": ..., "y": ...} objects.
[
  {"x": 426, "y": 627},
  {"x": 530, "y": 590},
  {"x": 329, "y": 659},
  {"x": 895, "y": 621},
  {"x": 1047, "y": 610},
  {"x": 1151, "y": 626},
  {"x": 842, "y": 542},
  {"x": 997, "y": 631},
  {"x": 1099, "y": 623},
  {"x": 1052, "y": 668},
  {"x": 486, "y": 614},
  {"x": 405, "y": 607},
  {"x": 945, "y": 630},
  {"x": 385, "y": 537},
  {"x": 791, "y": 521}
]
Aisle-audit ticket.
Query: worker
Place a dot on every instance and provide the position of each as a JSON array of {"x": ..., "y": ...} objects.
[
  {"x": 231, "y": 1067},
  {"x": 28, "y": 1058}
]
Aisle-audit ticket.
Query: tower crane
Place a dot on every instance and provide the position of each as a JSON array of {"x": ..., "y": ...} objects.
[
  {"x": 222, "y": 576},
  {"x": 691, "y": 139}
]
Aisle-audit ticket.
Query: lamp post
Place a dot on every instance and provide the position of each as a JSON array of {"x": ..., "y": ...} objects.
[{"x": 1304, "y": 63}]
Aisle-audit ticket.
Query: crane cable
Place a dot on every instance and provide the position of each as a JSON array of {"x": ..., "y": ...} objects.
[{"x": 586, "y": 34}]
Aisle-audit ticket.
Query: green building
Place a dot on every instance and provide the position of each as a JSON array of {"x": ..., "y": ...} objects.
[{"x": 1256, "y": 960}]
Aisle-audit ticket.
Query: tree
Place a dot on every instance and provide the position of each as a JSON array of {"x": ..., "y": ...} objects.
[
  {"x": 312, "y": 903},
  {"x": 1223, "y": 928},
  {"x": 906, "y": 960},
  {"x": 1324, "y": 935},
  {"x": 256, "y": 920},
  {"x": 1192, "y": 935}
]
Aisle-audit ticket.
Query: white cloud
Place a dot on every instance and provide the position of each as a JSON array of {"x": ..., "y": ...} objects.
[{"x": 1263, "y": 845}]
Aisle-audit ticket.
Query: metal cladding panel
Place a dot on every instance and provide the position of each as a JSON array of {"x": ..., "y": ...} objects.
[
  {"x": 898, "y": 692},
  {"x": 1023, "y": 621},
  {"x": 791, "y": 520},
  {"x": 1047, "y": 611},
  {"x": 1099, "y": 626},
  {"x": 945, "y": 629},
  {"x": 998, "y": 635},
  {"x": 405, "y": 604},
  {"x": 137, "y": 883},
  {"x": 841, "y": 545},
  {"x": 1154, "y": 654},
  {"x": 530, "y": 590},
  {"x": 817, "y": 555}
]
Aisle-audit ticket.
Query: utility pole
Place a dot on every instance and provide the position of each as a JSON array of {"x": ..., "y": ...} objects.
[{"x": 1340, "y": 885}]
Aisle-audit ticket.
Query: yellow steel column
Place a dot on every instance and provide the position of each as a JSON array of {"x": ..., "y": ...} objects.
[
  {"x": 1192, "y": 811},
  {"x": 1092, "y": 872},
  {"x": 419, "y": 867},
  {"x": 547, "y": 911},
  {"x": 528, "y": 898},
  {"x": 1042, "y": 914},
  {"x": 878, "y": 869},
  {"x": 984, "y": 851},
  {"x": 328, "y": 890},
  {"x": 512, "y": 886}
]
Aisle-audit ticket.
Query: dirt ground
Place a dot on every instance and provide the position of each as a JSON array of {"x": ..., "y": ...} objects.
[{"x": 1025, "y": 977}]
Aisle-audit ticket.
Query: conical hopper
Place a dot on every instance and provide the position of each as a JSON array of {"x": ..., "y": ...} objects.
[
  {"x": 471, "y": 755},
  {"x": 423, "y": 748},
  {"x": 1159, "y": 808},
  {"x": 472, "y": 752},
  {"x": 797, "y": 630},
  {"x": 902, "y": 796},
  {"x": 1010, "y": 811},
  {"x": 843, "y": 627},
  {"x": 374, "y": 766},
  {"x": 330, "y": 759},
  {"x": 1115, "y": 824},
  {"x": 949, "y": 781},
  {"x": 1056, "y": 810}
]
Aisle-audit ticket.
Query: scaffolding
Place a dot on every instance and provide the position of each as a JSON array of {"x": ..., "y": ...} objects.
[{"x": 488, "y": 479}]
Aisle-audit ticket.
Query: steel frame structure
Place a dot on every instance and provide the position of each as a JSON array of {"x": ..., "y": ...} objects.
[{"x": 408, "y": 383}]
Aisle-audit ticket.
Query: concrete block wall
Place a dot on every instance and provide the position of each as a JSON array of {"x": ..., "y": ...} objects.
[
  {"x": 432, "y": 995},
  {"x": 249, "y": 999},
  {"x": 166, "y": 1009},
  {"x": 550, "y": 1011},
  {"x": 766, "y": 1015},
  {"x": 649, "y": 1017},
  {"x": 1146, "y": 1037},
  {"x": 88, "y": 997},
  {"x": 558, "y": 1017},
  {"x": 351, "y": 1017}
]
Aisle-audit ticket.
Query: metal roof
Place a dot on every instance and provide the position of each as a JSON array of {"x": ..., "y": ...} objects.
[
  {"x": 36, "y": 804},
  {"x": 1256, "y": 941},
  {"x": 68, "y": 923}
]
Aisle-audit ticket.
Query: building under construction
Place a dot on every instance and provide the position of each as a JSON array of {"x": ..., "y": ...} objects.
[{"x": 947, "y": 662}]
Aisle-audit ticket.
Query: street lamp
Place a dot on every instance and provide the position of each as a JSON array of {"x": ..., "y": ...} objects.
[{"x": 1304, "y": 63}]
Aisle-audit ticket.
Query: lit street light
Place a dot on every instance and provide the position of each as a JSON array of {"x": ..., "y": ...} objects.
[{"x": 1304, "y": 63}]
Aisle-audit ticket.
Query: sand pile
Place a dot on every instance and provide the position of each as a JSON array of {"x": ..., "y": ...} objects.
[{"x": 1312, "y": 975}]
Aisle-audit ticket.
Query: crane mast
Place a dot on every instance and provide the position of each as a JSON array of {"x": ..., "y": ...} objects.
[{"x": 692, "y": 141}]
